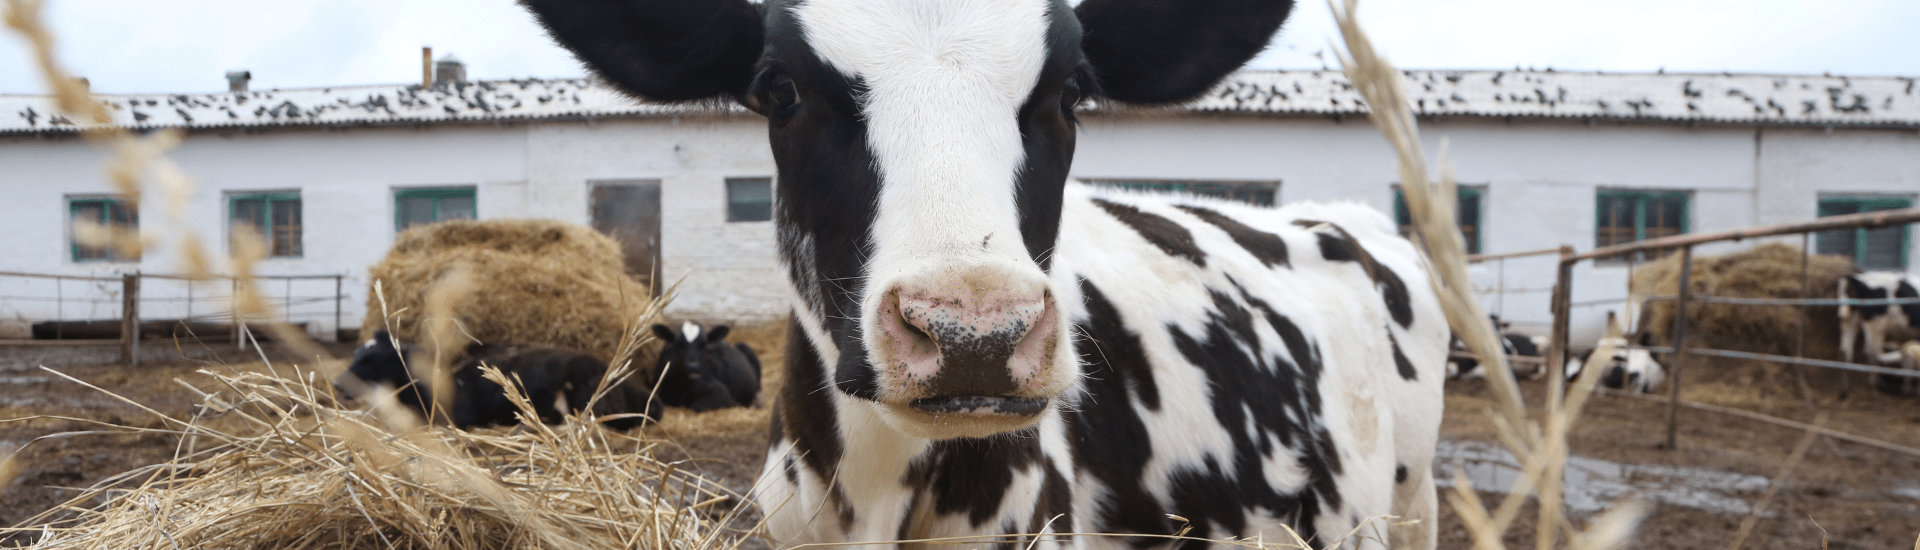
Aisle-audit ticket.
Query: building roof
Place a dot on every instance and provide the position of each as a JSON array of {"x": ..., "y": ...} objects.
[
  {"x": 1716, "y": 98},
  {"x": 1709, "y": 98}
]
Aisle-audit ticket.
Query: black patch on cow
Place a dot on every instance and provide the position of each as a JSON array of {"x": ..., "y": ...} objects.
[
  {"x": 1400, "y": 474},
  {"x": 1340, "y": 246},
  {"x": 1274, "y": 390},
  {"x": 1168, "y": 236},
  {"x": 1110, "y": 441},
  {"x": 1047, "y": 134},
  {"x": 1267, "y": 247},
  {"x": 1400, "y": 359},
  {"x": 805, "y": 409},
  {"x": 1860, "y": 290},
  {"x": 971, "y": 476},
  {"x": 1055, "y": 504},
  {"x": 1116, "y": 356},
  {"x": 1907, "y": 290}
]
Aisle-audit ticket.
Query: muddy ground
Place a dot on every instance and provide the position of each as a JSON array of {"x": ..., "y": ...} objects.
[{"x": 1842, "y": 495}]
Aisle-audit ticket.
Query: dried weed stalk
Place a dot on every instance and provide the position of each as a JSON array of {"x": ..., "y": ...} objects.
[{"x": 1542, "y": 447}]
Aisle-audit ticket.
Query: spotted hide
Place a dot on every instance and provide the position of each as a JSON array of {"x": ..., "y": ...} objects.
[{"x": 984, "y": 348}]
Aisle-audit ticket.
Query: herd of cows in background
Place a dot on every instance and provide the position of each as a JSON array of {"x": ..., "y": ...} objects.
[{"x": 696, "y": 369}]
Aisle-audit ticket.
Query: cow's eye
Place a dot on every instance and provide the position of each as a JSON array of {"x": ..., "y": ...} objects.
[
  {"x": 1070, "y": 94},
  {"x": 782, "y": 94}
]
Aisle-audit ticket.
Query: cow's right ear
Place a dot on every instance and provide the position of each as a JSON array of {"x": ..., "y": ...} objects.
[
  {"x": 660, "y": 50},
  {"x": 1168, "y": 51},
  {"x": 665, "y": 334}
]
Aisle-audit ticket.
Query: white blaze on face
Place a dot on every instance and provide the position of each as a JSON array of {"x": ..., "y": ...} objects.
[
  {"x": 692, "y": 331},
  {"x": 945, "y": 81}
]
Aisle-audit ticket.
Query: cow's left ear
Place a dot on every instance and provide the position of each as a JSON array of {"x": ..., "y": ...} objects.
[
  {"x": 1168, "y": 51},
  {"x": 660, "y": 50},
  {"x": 717, "y": 333}
]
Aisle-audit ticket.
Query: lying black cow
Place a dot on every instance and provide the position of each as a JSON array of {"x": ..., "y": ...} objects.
[
  {"x": 547, "y": 376},
  {"x": 700, "y": 370}
]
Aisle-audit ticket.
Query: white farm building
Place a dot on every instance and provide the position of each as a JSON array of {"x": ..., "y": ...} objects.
[{"x": 1547, "y": 159}]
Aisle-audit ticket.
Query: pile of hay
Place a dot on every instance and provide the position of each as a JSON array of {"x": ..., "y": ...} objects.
[
  {"x": 533, "y": 282},
  {"x": 301, "y": 473},
  {"x": 1765, "y": 271}
]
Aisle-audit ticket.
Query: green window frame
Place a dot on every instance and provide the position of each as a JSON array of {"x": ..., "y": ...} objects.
[
  {"x": 422, "y": 206},
  {"x": 107, "y": 212},
  {"x": 1257, "y": 193},
  {"x": 1468, "y": 216},
  {"x": 1622, "y": 217},
  {"x": 276, "y": 216},
  {"x": 1883, "y": 248},
  {"x": 749, "y": 199}
]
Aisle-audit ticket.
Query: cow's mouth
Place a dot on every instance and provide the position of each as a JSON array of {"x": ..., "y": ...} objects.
[{"x": 981, "y": 405}]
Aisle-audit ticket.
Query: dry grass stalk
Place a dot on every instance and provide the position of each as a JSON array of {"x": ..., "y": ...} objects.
[
  {"x": 300, "y": 472},
  {"x": 1542, "y": 448}
]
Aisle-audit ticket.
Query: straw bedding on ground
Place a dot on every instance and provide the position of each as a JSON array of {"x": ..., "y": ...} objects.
[
  {"x": 300, "y": 473},
  {"x": 534, "y": 282}
]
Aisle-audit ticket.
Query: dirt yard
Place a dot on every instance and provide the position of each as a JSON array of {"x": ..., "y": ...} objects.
[{"x": 1842, "y": 495}]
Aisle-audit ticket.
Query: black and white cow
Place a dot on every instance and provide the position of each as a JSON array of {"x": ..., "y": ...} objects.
[
  {"x": 698, "y": 369},
  {"x": 1871, "y": 323},
  {"x": 1514, "y": 344},
  {"x": 557, "y": 381},
  {"x": 983, "y": 347},
  {"x": 1627, "y": 369}
]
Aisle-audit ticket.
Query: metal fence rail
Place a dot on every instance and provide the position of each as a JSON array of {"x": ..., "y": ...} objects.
[{"x": 165, "y": 297}]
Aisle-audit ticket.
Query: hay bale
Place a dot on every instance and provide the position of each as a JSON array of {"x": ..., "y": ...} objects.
[
  {"x": 1766, "y": 271},
  {"x": 535, "y": 282}
]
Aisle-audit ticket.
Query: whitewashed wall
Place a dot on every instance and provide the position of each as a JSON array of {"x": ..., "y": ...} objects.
[{"x": 1541, "y": 179}]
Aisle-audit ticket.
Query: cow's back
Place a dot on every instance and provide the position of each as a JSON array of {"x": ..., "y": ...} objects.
[{"x": 1248, "y": 367}]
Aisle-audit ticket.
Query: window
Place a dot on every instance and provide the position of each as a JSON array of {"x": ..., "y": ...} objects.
[
  {"x": 1883, "y": 248},
  {"x": 749, "y": 199},
  {"x": 106, "y": 212},
  {"x": 1628, "y": 216},
  {"x": 1260, "y": 193},
  {"x": 275, "y": 216},
  {"x": 1468, "y": 215},
  {"x": 413, "y": 207}
]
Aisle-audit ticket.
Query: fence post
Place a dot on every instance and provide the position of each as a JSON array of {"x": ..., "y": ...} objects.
[
  {"x": 233, "y": 311},
  {"x": 337, "y": 286},
  {"x": 1679, "y": 345},
  {"x": 130, "y": 319}
]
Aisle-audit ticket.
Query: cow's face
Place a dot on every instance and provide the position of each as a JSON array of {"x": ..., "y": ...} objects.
[
  {"x": 682, "y": 355},
  {"x": 376, "y": 362},
  {"x": 922, "y": 147}
]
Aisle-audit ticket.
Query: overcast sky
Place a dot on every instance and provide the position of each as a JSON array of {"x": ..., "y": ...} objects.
[{"x": 144, "y": 46}]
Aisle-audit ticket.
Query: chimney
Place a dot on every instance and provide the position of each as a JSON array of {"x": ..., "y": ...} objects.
[
  {"x": 237, "y": 80},
  {"x": 449, "y": 70},
  {"x": 426, "y": 66}
]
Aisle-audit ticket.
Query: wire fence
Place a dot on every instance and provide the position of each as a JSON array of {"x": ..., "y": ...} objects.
[
  {"x": 132, "y": 306},
  {"x": 1681, "y": 346}
]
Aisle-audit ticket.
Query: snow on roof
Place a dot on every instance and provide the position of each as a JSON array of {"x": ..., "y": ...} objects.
[
  {"x": 1719, "y": 98},
  {"x": 1715, "y": 98},
  {"x": 481, "y": 101}
]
